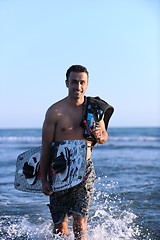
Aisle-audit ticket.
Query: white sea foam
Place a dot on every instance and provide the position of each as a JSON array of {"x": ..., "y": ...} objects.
[
  {"x": 20, "y": 139},
  {"x": 112, "y": 227},
  {"x": 103, "y": 225},
  {"x": 133, "y": 139},
  {"x": 111, "y": 139},
  {"x": 109, "y": 219},
  {"x": 22, "y": 228}
]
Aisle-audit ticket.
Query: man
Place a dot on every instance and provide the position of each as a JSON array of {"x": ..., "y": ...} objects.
[{"x": 62, "y": 122}]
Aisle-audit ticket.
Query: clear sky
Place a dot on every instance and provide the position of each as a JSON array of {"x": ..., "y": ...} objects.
[{"x": 118, "y": 41}]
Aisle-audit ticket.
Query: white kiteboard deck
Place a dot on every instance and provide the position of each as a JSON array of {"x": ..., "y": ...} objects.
[{"x": 28, "y": 175}]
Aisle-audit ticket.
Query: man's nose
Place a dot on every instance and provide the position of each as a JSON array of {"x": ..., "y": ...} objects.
[{"x": 78, "y": 85}]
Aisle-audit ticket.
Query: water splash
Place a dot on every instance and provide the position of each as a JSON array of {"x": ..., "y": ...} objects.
[
  {"x": 22, "y": 228},
  {"x": 107, "y": 225},
  {"x": 110, "y": 218}
]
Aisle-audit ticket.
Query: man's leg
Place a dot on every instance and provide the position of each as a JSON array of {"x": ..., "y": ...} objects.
[
  {"x": 62, "y": 227},
  {"x": 80, "y": 228}
]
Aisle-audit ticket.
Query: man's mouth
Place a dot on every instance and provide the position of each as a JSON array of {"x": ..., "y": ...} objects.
[{"x": 78, "y": 92}]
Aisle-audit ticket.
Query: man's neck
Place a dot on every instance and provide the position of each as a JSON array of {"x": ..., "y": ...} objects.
[{"x": 75, "y": 102}]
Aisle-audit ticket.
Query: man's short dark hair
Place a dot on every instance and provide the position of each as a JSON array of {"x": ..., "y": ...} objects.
[{"x": 76, "y": 68}]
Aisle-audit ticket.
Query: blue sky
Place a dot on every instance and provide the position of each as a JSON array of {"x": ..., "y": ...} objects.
[{"x": 118, "y": 41}]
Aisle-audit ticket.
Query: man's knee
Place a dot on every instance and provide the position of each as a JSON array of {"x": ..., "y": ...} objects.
[
  {"x": 62, "y": 228},
  {"x": 80, "y": 227}
]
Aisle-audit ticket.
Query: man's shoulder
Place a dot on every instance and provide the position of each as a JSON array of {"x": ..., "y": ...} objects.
[
  {"x": 57, "y": 104},
  {"x": 56, "y": 107}
]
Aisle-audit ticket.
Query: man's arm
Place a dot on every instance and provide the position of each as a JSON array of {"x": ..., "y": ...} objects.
[
  {"x": 100, "y": 133},
  {"x": 45, "y": 161}
]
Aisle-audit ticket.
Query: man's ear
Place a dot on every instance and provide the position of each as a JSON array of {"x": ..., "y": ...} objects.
[{"x": 66, "y": 83}]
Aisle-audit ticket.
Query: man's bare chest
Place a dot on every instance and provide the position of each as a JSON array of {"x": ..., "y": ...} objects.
[{"x": 68, "y": 125}]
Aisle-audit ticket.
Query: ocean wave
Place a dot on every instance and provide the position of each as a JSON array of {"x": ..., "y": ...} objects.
[
  {"x": 4, "y": 139},
  {"x": 34, "y": 139},
  {"x": 134, "y": 139}
]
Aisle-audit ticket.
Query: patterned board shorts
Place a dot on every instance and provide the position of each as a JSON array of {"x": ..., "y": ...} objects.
[{"x": 76, "y": 200}]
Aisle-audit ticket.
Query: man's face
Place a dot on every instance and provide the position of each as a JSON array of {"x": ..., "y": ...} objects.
[{"x": 77, "y": 84}]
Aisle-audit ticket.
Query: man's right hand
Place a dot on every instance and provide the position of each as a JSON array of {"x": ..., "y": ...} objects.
[{"x": 46, "y": 188}]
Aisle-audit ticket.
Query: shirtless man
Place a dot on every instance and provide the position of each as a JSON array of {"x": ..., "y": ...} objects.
[{"x": 62, "y": 122}]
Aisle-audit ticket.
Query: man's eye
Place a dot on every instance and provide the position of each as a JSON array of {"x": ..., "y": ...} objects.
[
  {"x": 74, "y": 82},
  {"x": 77, "y": 82},
  {"x": 82, "y": 83}
]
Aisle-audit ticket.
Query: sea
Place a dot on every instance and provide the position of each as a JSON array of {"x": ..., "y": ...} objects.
[{"x": 126, "y": 203}]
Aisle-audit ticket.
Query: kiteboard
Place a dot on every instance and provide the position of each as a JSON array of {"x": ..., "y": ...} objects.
[{"x": 66, "y": 170}]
